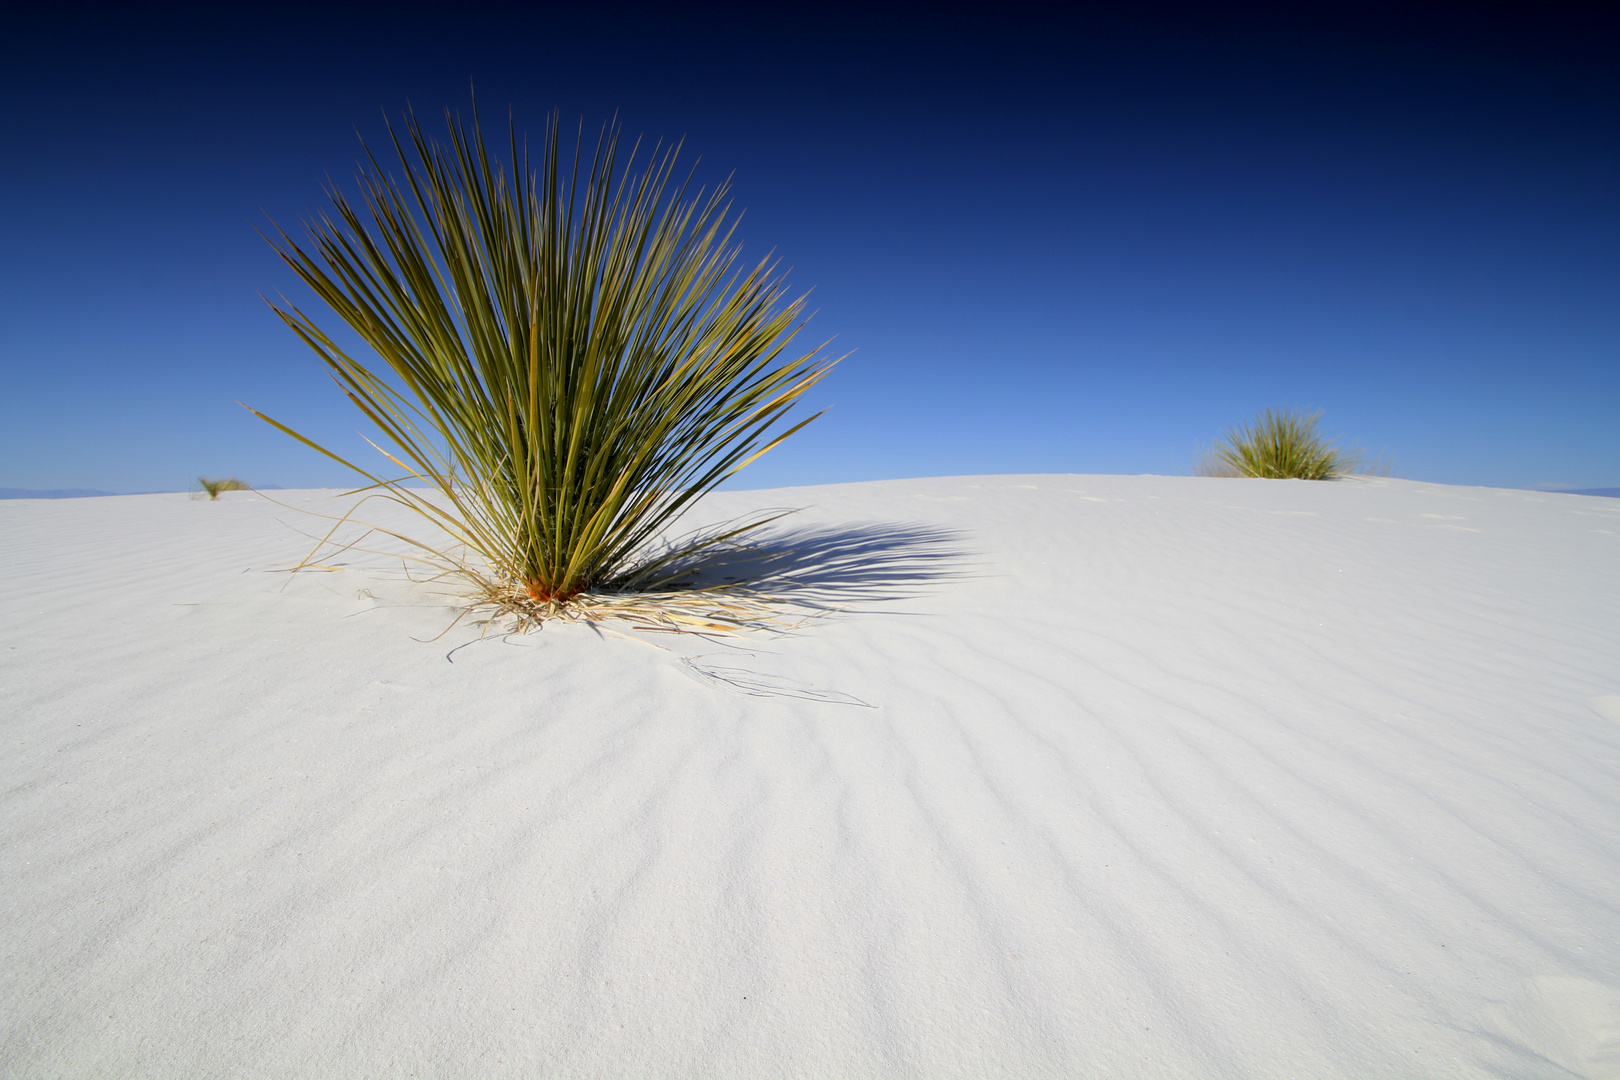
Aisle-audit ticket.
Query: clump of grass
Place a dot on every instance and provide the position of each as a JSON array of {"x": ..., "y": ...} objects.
[
  {"x": 214, "y": 487},
  {"x": 571, "y": 355},
  {"x": 1278, "y": 445}
]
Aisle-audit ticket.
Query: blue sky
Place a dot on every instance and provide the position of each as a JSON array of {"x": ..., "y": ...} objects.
[{"x": 1077, "y": 246}]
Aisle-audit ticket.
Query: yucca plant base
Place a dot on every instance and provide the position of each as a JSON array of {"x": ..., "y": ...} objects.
[{"x": 572, "y": 354}]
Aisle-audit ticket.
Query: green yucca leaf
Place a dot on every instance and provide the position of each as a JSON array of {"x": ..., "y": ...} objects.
[{"x": 575, "y": 354}]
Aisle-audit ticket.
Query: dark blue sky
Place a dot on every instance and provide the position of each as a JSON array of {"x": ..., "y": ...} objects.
[{"x": 1085, "y": 245}]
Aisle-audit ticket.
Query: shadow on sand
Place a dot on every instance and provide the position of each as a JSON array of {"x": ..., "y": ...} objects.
[
  {"x": 816, "y": 571},
  {"x": 835, "y": 567}
]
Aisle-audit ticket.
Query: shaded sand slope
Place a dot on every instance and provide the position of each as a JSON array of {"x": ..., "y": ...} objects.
[{"x": 1097, "y": 777}]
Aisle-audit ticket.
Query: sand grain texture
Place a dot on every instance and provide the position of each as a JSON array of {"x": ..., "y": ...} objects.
[{"x": 1097, "y": 777}]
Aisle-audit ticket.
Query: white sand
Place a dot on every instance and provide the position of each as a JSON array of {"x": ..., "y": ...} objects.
[{"x": 1174, "y": 777}]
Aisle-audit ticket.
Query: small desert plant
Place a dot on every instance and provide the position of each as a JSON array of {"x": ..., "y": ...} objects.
[
  {"x": 214, "y": 487},
  {"x": 576, "y": 355},
  {"x": 1281, "y": 446}
]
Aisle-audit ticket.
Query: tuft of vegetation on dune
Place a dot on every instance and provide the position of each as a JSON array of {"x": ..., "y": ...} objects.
[
  {"x": 571, "y": 354},
  {"x": 1279, "y": 445},
  {"x": 214, "y": 487}
]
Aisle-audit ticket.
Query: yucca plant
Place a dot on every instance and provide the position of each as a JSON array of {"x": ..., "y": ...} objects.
[
  {"x": 575, "y": 353},
  {"x": 1278, "y": 445},
  {"x": 214, "y": 487}
]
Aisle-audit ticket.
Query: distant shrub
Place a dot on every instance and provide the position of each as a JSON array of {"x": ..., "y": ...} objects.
[
  {"x": 214, "y": 487},
  {"x": 1278, "y": 445}
]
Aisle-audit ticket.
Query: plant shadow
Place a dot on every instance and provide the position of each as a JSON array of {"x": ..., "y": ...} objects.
[{"x": 833, "y": 567}]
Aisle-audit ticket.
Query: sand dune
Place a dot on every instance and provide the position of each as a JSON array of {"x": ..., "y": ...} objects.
[{"x": 1088, "y": 776}]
